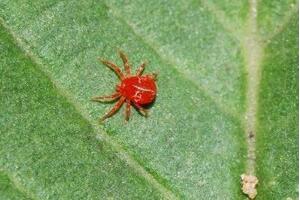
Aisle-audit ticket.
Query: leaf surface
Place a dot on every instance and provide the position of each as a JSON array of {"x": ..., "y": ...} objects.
[{"x": 218, "y": 64}]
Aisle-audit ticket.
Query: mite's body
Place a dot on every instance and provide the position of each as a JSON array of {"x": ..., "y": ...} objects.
[{"x": 134, "y": 89}]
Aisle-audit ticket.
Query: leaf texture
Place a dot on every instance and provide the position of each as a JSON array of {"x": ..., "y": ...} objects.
[{"x": 195, "y": 143}]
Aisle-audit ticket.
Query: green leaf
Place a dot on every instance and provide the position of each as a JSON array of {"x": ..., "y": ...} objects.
[
  {"x": 277, "y": 138},
  {"x": 227, "y": 102}
]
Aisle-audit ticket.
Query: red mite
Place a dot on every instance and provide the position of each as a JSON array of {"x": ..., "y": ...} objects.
[{"x": 134, "y": 89}]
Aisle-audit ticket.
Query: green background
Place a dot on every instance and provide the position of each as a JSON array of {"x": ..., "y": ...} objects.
[{"x": 192, "y": 146}]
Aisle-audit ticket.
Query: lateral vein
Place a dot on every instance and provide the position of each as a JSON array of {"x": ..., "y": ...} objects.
[{"x": 121, "y": 152}]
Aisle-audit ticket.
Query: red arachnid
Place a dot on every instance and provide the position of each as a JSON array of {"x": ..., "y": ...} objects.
[{"x": 134, "y": 89}]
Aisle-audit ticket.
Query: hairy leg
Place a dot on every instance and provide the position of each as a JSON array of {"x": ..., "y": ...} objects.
[
  {"x": 114, "y": 67},
  {"x": 125, "y": 62},
  {"x": 140, "y": 70},
  {"x": 153, "y": 76},
  {"x": 116, "y": 107},
  {"x": 127, "y": 110},
  {"x": 142, "y": 110},
  {"x": 107, "y": 98}
]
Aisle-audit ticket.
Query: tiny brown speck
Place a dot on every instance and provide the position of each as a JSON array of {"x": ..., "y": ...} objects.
[{"x": 251, "y": 135}]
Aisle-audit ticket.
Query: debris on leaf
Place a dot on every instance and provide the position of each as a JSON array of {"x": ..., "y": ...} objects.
[{"x": 249, "y": 183}]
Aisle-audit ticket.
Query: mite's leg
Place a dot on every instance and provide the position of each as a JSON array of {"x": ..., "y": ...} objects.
[
  {"x": 114, "y": 109},
  {"x": 142, "y": 110},
  {"x": 108, "y": 98},
  {"x": 140, "y": 70},
  {"x": 127, "y": 110},
  {"x": 153, "y": 76},
  {"x": 114, "y": 67},
  {"x": 125, "y": 62}
]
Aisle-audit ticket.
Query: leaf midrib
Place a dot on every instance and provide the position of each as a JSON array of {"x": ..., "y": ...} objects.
[{"x": 252, "y": 45}]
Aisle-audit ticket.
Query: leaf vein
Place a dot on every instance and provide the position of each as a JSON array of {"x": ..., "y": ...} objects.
[
  {"x": 205, "y": 92},
  {"x": 18, "y": 186},
  {"x": 121, "y": 152},
  {"x": 285, "y": 21}
]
